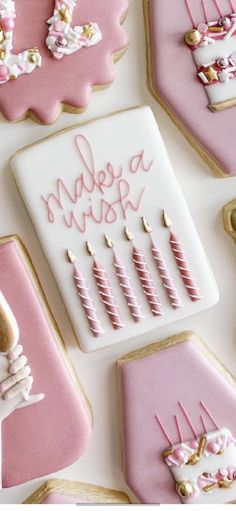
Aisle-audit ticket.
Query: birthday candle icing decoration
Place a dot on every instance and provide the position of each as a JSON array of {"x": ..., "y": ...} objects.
[
  {"x": 104, "y": 289},
  {"x": 86, "y": 300},
  {"x": 145, "y": 277},
  {"x": 182, "y": 262},
  {"x": 163, "y": 270},
  {"x": 125, "y": 284}
]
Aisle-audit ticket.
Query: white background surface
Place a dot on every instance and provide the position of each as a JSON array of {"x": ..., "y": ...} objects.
[{"x": 206, "y": 195}]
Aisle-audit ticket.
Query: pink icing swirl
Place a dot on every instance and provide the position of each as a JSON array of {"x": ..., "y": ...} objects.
[
  {"x": 127, "y": 289},
  {"x": 106, "y": 295},
  {"x": 146, "y": 282},
  {"x": 166, "y": 278},
  {"x": 87, "y": 303},
  {"x": 184, "y": 268}
]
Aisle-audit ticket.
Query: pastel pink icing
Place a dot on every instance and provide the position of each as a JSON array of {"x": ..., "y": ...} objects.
[
  {"x": 70, "y": 79},
  {"x": 60, "y": 498},
  {"x": 174, "y": 77},
  {"x": 155, "y": 384},
  {"x": 51, "y": 435}
]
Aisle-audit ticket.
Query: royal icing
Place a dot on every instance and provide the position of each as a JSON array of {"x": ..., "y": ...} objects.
[
  {"x": 174, "y": 81},
  {"x": 178, "y": 435},
  {"x": 105, "y": 189},
  {"x": 65, "y": 40},
  {"x": 12, "y": 66},
  {"x": 41, "y": 429},
  {"x": 63, "y": 84},
  {"x": 213, "y": 46}
]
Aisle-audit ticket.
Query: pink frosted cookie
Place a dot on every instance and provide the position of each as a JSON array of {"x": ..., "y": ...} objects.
[
  {"x": 230, "y": 219},
  {"x": 51, "y": 424},
  {"x": 179, "y": 423},
  {"x": 192, "y": 73},
  {"x": 122, "y": 268},
  {"x": 56, "y": 491},
  {"x": 54, "y": 53}
]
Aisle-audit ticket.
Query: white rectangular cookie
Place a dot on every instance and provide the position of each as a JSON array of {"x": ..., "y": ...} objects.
[{"x": 97, "y": 179}]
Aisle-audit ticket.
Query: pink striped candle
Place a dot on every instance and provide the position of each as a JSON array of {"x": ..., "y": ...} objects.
[
  {"x": 145, "y": 277},
  {"x": 104, "y": 289},
  {"x": 86, "y": 300},
  {"x": 125, "y": 284},
  {"x": 182, "y": 262},
  {"x": 163, "y": 270}
]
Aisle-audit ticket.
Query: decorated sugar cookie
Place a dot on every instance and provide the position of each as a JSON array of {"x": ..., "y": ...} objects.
[
  {"x": 127, "y": 260},
  {"x": 34, "y": 370},
  {"x": 67, "y": 48},
  {"x": 230, "y": 219},
  {"x": 192, "y": 72},
  {"x": 178, "y": 416},
  {"x": 56, "y": 491}
]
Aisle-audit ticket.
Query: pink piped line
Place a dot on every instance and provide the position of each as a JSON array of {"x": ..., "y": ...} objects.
[
  {"x": 204, "y": 10},
  {"x": 209, "y": 414},
  {"x": 163, "y": 430},
  {"x": 203, "y": 424},
  {"x": 218, "y": 8},
  {"x": 190, "y": 12},
  {"x": 178, "y": 428},
  {"x": 232, "y": 5},
  {"x": 188, "y": 419}
]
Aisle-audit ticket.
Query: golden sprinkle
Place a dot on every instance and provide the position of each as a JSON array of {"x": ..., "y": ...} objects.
[
  {"x": 1, "y": 36},
  {"x": 195, "y": 458},
  {"x": 193, "y": 37},
  {"x": 90, "y": 249},
  {"x": 128, "y": 233},
  {"x": 32, "y": 58},
  {"x": 211, "y": 487},
  {"x": 215, "y": 29},
  {"x": 167, "y": 453},
  {"x": 12, "y": 77},
  {"x": 65, "y": 15},
  {"x": 224, "y": 484},
  {"x": 109, "y": 242},
  {"x": 70, "y": 256},
  {"x": 211, "y": 74},
  {"x": 146, "y": 225},
  {"x": 166, "y": 220},
  {"x": 88, "y": 31},
  {"x": 2, "y": 54},
  {"x": 184, "y": 488}
]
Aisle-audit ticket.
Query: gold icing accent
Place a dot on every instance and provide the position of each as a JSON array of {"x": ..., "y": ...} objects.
[
  {"x": 211, "y": 74},
  {"x": 128, "y": 233},
  {"x": 90, "y": 249},
  {"x": 70, "y": 256},
  {"x": 109, "y": 242},
  {"x": 88, "y": 31},
  {"x": 193, "y": 37},
  {"x": 2, "y": 54},
  {"x": 225, "y": 484},
  {"x": 195, "y": 458},
  {"x": 146, "y": 225},
  {"x": 65, "y": 15},
  {"x": 167, "y": 453},
  {"x": 6, "y": 332},
  {"x": 12, "y": 77},
  {"x": 166, "y": 220},
  {"x": 211, "y": 487},
  {"x": 1, "y": 36},
  {"x": 215, "y": 29},
  {"x": 184, "y": 488},
  {"x": 230, "y": 219}
]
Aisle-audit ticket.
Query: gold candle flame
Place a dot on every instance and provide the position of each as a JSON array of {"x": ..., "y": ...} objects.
[
  {"x": 90, "y": 249},
  {"x": 166, "y": 220},
  {"x": 128, "y": 233},
  {"x": 146, "y": 225},
  {"x": 109, "y": 242},
  {"x": 70, "y": 256}
]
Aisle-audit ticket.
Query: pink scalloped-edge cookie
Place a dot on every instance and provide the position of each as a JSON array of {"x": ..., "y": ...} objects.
[
  {"x": 178, "y": 409},
  {"x": 61, "y": 491},
  {"x": 53, "y": 432},
  {"x": 230, "y": 219},
  {"x": 58, "y": 56},
  {"x": 191, "y": 71}
]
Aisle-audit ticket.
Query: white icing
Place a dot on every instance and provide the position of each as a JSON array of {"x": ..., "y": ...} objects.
[
  {"x": 12, "y": 65},
  {"x": 208, "y": 463},
  {"x": 221, "y": 48},
  {"x": 115, "y": 139},
  {"x": 73, "y": 39},
  {"x": 221, "y": 91}
]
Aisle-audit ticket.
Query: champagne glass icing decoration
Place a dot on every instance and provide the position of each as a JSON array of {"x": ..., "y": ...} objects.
[
  {"x": 125, "y": 284},
  {"x": 13, "y": 65},
  {"x": 104, "y": 289},
  {"x": 163, "y": 270},
  {"x": 62, "y": 38},
  {"x": 86, "y": 300},
  {"x": 144, "y": 277},
  {"x": 182, "y": 262}
]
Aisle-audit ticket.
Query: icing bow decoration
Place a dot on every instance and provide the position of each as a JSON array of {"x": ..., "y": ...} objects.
[
  {"x": 15, "y": 379},
  {"x": 62, "y": 38}
]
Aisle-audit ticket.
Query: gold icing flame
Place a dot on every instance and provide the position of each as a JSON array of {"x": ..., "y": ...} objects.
[
  {"x": 166, "y": 220},
  {"x": 109, "y": 242},
  {"x": 90, "y": 249},
  {"x": 146, "y": 225},
  {"x": 70, "y": 256},
  {"x": 128, "y": 233}
]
